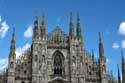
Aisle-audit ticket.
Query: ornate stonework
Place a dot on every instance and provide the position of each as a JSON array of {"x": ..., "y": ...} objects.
[{"x": 57, "y": 58}]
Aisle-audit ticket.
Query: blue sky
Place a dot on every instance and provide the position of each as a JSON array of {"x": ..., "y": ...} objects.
[{"x": 105, "y": 16}]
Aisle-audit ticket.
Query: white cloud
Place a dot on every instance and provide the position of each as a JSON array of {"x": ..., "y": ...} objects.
[
  {"x": 108, "y": 60},
  {"x": 123, "y": 44},
  {"x": 3, "y": 63},
  {"x": 0, "y": 19},
  {"x": 3, "y": 29},
  {"x": 115, "y": 45},
  {"x": 122, "y": 28},
  {"x": 20, "y": 50},
  {"x": 29, "y": 32}
]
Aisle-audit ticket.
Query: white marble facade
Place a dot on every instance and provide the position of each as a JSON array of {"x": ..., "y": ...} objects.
[{"x": 57, "y": 58}]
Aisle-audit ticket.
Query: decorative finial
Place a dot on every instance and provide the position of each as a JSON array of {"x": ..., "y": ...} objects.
[
  {"x": 13, "y": 29},
  {"x": 71, "y": 18},
  {"x": 92, "y": 52},
  {"x": 78, "y": 17},
  {"x": 43, "y": 12},
  {"x": 121, "y": 52},
  {"x": 93, "y": 55},
  {"x": 100, "y": 39},
  {"x": 43, "y": 17},
  {"x": 118, "y": 67},
  {"x": 36, "y": 15},
  {"x": 13, "y": 34}
]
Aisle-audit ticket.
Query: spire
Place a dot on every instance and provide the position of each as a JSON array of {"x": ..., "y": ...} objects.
[
  {"x": 79, "y": 35},
  {"x": 119, "y": 77},
  {"x": 100, "y": 39},
  {"x": 123, "y": 67},
  {"x": 123, "y": 61},
  {"x": 43, "y": 19},
  {"x": 112, "y": 78},
  {"x": 102, "y": 60},
  {"x": 93, "y": 59},
  {"x": 101, "y": 49},
  {"x": 71, "y": 33},
  {"x": 36, "y": 20},
  {"x": 36, "y": 32},
  {"x": 93, "y": 55},
  {"x": 13, "y": 40},
  {"x": 43, "y": 28},
  {"x": 12, "y": 47},
  {"x": 13, "y": 34}
]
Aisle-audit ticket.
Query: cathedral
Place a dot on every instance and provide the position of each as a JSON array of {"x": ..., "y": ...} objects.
[{"x": 57, "y": 57}]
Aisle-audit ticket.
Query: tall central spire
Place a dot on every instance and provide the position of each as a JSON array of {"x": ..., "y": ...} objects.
[{"x": 71, "y": 33}]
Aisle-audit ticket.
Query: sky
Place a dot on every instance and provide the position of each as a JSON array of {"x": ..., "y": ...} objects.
[{"x": 105, "y": 16}]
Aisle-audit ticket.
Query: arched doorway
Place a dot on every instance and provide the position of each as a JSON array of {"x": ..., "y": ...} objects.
[
  {"x": 58, "y": 63},
  {"x": 22, "y": 82}
]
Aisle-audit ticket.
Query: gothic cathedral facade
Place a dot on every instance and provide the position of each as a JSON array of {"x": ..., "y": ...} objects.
[{"x": 57, "y": 58}]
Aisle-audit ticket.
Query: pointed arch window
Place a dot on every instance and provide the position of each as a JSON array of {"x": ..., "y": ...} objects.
[{"x": 58, "y": 63}]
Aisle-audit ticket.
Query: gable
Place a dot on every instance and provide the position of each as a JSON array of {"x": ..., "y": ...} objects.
[{"x": 57, "y": 38}]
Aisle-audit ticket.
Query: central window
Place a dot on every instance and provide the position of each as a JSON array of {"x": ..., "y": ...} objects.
[{"x": 58, "y": 63}]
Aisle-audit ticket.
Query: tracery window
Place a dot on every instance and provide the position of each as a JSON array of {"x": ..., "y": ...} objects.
[{"x": 58, "y": 63}]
